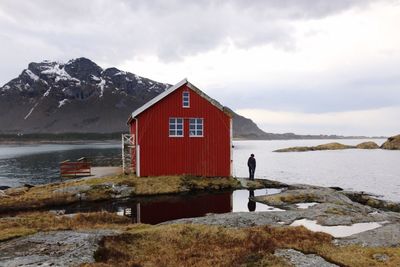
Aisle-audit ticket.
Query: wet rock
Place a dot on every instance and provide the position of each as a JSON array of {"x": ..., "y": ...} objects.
[
  {"x": 60, "y": 248},
  {"x": 393, "y": 143},
  {"x": 367, "y": 145},
  {"x": 299, "y": 259},
  {"x": 4, "y": 187}
]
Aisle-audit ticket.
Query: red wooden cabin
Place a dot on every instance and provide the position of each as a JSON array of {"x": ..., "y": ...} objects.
[{"x": 182, "y": 131}]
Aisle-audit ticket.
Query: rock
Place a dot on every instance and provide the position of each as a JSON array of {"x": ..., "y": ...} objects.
[
  {"x": 58, "y": 248},
  {"x": 4, "y": 187},
  {"x": 367, "y": 145},
  {"x": 2, "y": 194},
  {"x": 381, "y": 257},
  {"x": 329, "y": 146},
  {"x": 393, "y": 143},
  {"x": 73, "y": 189},
  {"x": 386, "y": 236},
  {"x": 299, "y": 259}
]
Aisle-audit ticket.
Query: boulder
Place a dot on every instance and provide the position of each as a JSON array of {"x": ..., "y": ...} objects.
[
  {"x": 393, "y": 143},
  {"x": 367, "y": 145}
]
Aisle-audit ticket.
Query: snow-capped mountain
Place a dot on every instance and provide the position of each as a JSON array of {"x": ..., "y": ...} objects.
[{"x": 77, "y": 96}]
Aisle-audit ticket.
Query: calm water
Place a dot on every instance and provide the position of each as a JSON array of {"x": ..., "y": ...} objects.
[
  {"x": 376, "y": 171},
  {"x": 38, "y": 164},
  {"x": 157, "y": 209}
]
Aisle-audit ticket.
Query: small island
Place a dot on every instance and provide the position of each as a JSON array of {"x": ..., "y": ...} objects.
[{"x": 393, "y": 143}]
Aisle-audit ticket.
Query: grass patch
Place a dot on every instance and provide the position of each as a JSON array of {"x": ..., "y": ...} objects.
[
  {"x": 30, "y": 223},
  {"x": 201, "y": 245},
  {"x": 196, "y": 245},
  {"x": 193, "y": 183}
]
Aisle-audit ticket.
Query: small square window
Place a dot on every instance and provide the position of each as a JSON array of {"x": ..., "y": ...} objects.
[
  {"x": 196, "y": 127},
  {"x": 175, "y": 127}
]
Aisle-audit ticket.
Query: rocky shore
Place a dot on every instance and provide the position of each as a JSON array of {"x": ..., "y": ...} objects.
[{"x": 360, "y": 230}]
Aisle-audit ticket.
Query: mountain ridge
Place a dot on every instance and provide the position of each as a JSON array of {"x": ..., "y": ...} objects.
[{"x": 80, "y": 96}]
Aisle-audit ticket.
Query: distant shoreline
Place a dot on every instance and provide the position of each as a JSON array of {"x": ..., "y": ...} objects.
[{"x": 24, "y": 141}]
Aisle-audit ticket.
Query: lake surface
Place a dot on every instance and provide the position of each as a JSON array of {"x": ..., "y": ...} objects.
[{"x": 375, "y": 171}]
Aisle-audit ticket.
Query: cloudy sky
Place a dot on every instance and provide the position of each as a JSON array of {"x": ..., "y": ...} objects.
[{"x": 303, "y": 66}]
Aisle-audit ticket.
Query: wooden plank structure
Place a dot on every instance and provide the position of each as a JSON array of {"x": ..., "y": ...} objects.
[
  {"x": 79, "y": 168},
  {"x": 128, "y": 145}
]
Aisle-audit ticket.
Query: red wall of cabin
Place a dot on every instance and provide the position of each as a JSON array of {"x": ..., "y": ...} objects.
[{"x": 163, "y": 155}]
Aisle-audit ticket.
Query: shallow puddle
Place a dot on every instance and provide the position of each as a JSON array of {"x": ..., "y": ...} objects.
[
  {"x": 306, "y": 205},
  {"x": 157, "y": 209},
  {"x": 339, "y": 230}
]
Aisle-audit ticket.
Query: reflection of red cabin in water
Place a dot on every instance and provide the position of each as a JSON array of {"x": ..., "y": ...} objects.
[{"x": 182, "y": 131}]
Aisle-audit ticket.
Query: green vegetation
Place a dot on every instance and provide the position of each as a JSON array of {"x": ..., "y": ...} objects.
[{"x": 329, "y": 146}]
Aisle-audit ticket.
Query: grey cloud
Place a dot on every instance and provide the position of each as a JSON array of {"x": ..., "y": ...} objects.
[{"x": 119, "y": 30}]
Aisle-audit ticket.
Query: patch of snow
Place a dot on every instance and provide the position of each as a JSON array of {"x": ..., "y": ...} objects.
[
  {"x": 127, "y": 79},
  {"x": 59, "y": 72},
  {"x": 150, "y": 82},
  {"x": 305, "y": 205},
  {"x": 32, "y": 109},
  {"x": 6, "y": 87},
  {"x": 32, "y": 75},
  {"x": 338, "y": 230},
  {"x": 120, "y": 73},
  {"x": 94, "y": 78},
  {"x": 62, "y": 102},
  {"x": 101, "y": 86},
  {"x": 47, "y": 92}
]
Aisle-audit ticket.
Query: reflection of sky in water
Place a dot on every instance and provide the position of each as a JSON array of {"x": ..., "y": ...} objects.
[
  {"x": 241, "y": 199},
  {"x": 338, "y": 230}
]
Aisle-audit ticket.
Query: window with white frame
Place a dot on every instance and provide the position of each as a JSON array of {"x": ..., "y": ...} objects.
[
  {"x": 196, "y": 127},
  {"x": 175, "y": 127},
  {"x": 185, "y": 99}
]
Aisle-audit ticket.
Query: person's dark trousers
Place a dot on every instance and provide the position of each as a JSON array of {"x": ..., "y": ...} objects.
[{"x": 251, "y": 173}]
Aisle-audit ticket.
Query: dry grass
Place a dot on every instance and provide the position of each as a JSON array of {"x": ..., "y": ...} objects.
[
  {"x": 195, "y": 245},
  {"x": 30, "y": 223},
  {"x": 200, "y": 245},
  {"x": 207, "y": 183}
]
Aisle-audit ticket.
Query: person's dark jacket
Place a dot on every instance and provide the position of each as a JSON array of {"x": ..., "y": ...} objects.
[{"x": 251, "y": 163}]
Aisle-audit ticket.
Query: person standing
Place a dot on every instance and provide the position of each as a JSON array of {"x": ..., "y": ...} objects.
[{"x": 251, "y": 163}]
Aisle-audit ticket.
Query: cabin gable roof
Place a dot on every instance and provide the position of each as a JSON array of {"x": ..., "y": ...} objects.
[{"x": 173, "y": 89}]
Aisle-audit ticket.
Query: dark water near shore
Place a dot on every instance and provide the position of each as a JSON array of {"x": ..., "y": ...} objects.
[
  {"x": 375, "y": 171},
  {"x": 39, "y": 164}
]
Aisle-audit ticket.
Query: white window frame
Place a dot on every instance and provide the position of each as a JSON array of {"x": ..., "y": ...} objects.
[
  {"x": 186, "y": 99},
  {"x": 175, "y": 123},
  {"x": 194, "y": 127}
]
